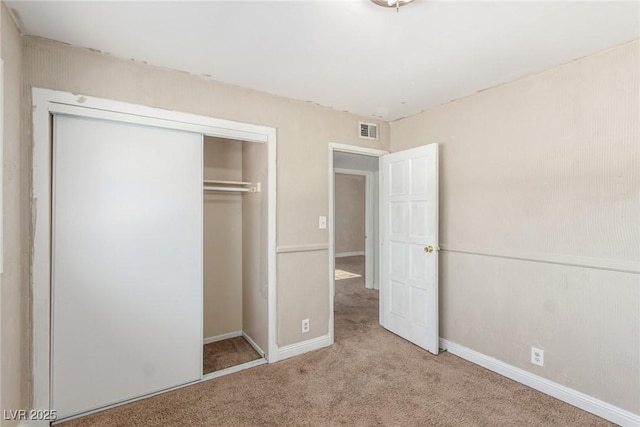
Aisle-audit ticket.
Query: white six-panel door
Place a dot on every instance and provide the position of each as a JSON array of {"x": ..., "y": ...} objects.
[
  {"x": 127, "y": 262},
  {"x": 409, "y": 245}
]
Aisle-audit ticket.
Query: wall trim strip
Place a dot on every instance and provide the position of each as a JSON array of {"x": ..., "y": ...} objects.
[
  {"x": 304, "y": 347},
  {"x": 566, "y": 394},
  {"x": 568, "y": 260},
  {"x": 346, "y": 254},
  {"x": 303, "y": 248}
]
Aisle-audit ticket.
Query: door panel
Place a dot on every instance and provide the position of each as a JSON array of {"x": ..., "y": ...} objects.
[
  {"x": 397, "y": 219},
  {"x": 418, "y": 226},
  {"x": 397, "y": 258},
  {"x": 418, "y": 265},
  {"x": 419, "y": 300},
  {"x": 397, "y": 178},
  {"x": 409, "y": 224},
  {"x": 398, "y": 295},
  {"x": 127, "y": 262}
]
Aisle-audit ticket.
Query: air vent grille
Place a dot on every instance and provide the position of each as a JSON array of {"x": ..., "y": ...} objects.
[{"x": 368, "y": 130}]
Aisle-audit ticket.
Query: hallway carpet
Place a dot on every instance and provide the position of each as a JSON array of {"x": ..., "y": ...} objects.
[{"x": 369, "y": 377}]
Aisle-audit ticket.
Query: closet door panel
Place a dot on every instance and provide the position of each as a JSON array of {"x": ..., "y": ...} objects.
[{"x": 127, "y": 262}]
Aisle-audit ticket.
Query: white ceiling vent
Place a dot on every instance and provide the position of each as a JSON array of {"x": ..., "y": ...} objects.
[{"x": 368, "y": 130}]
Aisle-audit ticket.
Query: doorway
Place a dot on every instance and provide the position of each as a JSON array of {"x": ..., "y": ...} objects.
[
  {"x": 406, "y": 261},
  {"x": 353, "y": 224},
  {"x": 353, "y": 219}
]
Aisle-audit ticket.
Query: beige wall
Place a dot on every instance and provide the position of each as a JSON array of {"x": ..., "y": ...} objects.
[
  {"x": 350, "y": 213},
  {"x": 222, "y": 257},
  {"x": 303, "y": 131},
  {"x": 14, "y": 310},
  {"x": 255, "y": 320},
  {"x": 546, "y": 168},
  {"x": 312, "y": 269}
]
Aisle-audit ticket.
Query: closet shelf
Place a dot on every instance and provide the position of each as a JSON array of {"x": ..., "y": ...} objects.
[
  {"x": 231, "y": 186},
  {"x": 213, "y": 181}
]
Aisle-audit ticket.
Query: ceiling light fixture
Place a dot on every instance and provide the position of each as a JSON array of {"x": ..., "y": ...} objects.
[{"x": 392, "y": 3}]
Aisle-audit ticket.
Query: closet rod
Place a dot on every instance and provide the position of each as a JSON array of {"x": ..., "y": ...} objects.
[{"x": 242, "y": 190}]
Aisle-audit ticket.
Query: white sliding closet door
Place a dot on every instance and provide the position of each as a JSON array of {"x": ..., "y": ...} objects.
[{"x": 127, "y": 262}]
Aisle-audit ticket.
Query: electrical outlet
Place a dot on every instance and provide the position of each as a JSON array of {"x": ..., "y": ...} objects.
[
  {"x": 537, "y": 356},
  {"x": 322, "y": 222},
  {"x": 305, "y": 326}
]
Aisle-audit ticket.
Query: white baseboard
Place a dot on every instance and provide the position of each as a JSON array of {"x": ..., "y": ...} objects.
[
  {"x": 566, "y": 394},
  {"x": 346, "y": 254},
  {"x": 222, "y": 337},
  {"x": 303, "y": 347},
  {"x": 255, "y": 346}
]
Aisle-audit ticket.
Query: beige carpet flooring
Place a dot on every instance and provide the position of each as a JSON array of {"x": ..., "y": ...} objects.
[
  {"x": 227, "y": 353},
  {"x": 369, "y": 377}
]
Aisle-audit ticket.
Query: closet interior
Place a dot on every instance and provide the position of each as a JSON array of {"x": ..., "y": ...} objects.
[{"x": 234, "y": 254}]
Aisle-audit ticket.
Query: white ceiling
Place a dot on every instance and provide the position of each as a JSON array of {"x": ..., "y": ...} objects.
[{"x": 350, "y": 55}]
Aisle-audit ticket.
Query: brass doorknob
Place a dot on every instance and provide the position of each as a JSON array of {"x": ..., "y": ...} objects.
[{"x": 428, "y": 249}]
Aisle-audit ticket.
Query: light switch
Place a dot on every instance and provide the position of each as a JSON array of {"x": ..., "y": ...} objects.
[{"x": 322, "y": 223}]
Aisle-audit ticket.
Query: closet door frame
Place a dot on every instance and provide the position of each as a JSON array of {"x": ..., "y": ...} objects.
[{"x": 45, "y": 103}]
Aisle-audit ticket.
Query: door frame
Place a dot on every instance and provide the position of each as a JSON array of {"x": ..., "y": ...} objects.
[
  {"x": 45, "y": 102},
  {"x": 368, "y": 221},
  {"x": 352, "y": 149}
]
